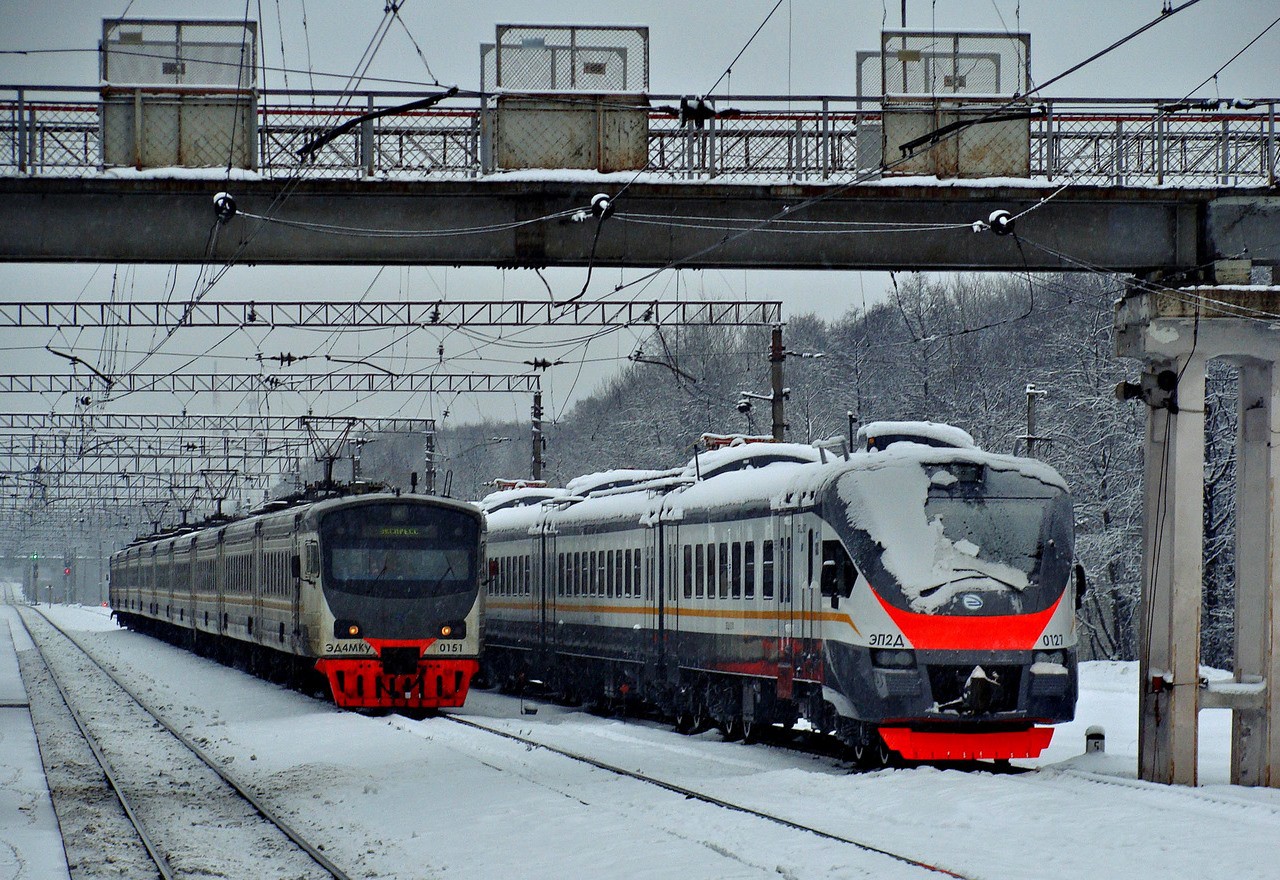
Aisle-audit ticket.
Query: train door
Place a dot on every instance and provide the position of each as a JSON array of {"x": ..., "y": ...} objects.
[
  {"x": 543, "y": 590},
  {"x": 783, "y": 580},
  {"x": 652, "y": 585},
  {"x": 295, "y": 586},
  {"x": 219, "y": 580},
  {"x": 190, "y": 598},
  {"x": 806, "y": 545},
  {"x": 170, "y": 591},
  {"x": 675, "y": 579},
  {"x": 255, "y": 583}
]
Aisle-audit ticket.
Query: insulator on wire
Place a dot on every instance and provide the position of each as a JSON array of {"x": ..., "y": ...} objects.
[
  {"x": 601, "y": 205},
  {"x": 1001, "y": 222},
  {"x": 224, "y": 207}
]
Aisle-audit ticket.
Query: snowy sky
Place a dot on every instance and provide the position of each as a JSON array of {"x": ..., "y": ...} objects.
[{"x": 807, "y": 47}]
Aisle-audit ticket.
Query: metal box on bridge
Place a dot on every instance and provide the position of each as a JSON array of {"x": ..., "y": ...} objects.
[
  {"x": 600, "y": 132},
  {"x": 566, "y": 96},
  {"x": 968, "y": 81},
  {"x": 179, "y": 93}
]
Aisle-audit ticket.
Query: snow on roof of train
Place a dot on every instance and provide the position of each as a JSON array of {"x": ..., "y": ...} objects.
[
  {"x": 765, "y": 475},
  {"x": 746, "y": 456},
  {"x": 523, "y": 496},
  {"x": 614, "y": 479},
  {"x": 931, "y": 433}
]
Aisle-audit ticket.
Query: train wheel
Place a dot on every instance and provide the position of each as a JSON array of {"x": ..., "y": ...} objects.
[
  {"x": 751, "y": 731},
  {"x": 731, "y": 730},
  {"x": 871, "y": 756}
]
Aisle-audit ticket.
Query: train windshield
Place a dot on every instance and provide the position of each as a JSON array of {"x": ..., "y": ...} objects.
[
  {"x": 399, "y": 551},
  {"x": 989, "y": 542}
]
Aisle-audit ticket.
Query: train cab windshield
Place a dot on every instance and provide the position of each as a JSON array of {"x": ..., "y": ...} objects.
[
  {"x": 983, "y": 542},
  {"x": 399, "y": 551}
]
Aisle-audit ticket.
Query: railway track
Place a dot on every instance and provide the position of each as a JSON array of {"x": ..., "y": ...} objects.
[
  {"x": 187, "y": 815},
  {"x": 703, "y": 797}
]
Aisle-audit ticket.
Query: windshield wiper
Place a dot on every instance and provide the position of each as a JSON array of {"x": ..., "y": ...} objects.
[
  {"x": 976, "y": 574},
  {"x": 377, "y": 577},
  {"x": 986, "y": 574},
  {"x": 448, "y": 571}
]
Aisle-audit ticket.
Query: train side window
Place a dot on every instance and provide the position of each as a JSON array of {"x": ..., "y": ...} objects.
[
  {"x": 528, "y": 575},
  {"x": 559, "y": 574},
  {"x": 722, "y": 575},
  {"x": 610, "y": 584},
  {"x": 688, "y": 571},
  {"x": 619, "y": 574},
  {"x": 637, "y": 577},
  {"x": 311, "y": 557},
  {"x": 735, "y": 560},
  {"x": 766, "y": 570},
  {"x": 749, "y": 569},
  {"x": 711, "y": 571},
  {"x": 787, "y": 573},
  {"x": 838, "y": 572},
  {"x": 700, "y": 571}
]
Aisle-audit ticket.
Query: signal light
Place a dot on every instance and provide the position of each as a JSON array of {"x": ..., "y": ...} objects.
[
  {"x": 66, "y": 571},
  {"x": 353, "y": 630},
  {"x": 446, "y": 631}
]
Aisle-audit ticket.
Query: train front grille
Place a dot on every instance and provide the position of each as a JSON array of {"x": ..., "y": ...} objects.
[
  {"x": 953, "y": 690},
  {"x": 400, "y": 661}
]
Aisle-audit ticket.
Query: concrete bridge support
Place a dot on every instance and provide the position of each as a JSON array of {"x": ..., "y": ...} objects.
[{"x": 1175, "y": 333}]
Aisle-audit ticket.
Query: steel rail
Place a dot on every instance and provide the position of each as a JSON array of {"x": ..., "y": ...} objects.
[
  {"x": 694, "y": 794},
  {"x": 266, "y": 812},
  {"x": 161, "y": 863}
]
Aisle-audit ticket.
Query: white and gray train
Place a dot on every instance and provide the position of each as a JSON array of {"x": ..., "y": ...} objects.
[
  {"x": 378, "y": 594},
  {"x": 914, "y": 597}
]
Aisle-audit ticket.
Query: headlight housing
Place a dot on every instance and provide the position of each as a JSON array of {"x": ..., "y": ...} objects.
[{"x": 890, "y": 659}]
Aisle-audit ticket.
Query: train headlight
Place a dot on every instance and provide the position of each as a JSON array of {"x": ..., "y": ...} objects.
[
  {"x": 893, "y": 659},
  {"x": 446, "y": 631},
  {"x": 346, "y": 629},
  {"x": 455, "y": 630},
  {"x": 1058, "y": 658}
]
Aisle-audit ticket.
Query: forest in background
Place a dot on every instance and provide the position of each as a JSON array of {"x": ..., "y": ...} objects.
[{"x": 955, "y": 349}]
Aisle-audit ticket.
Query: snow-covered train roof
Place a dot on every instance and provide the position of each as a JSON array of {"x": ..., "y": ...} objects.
[
  {"x": 759, "y": 475},
  {"x": 879, "y": 435},
  {"x": 619, "y": 478},
  {"x": 748, "y": 456},
  {"x": 521, "y": 496}
]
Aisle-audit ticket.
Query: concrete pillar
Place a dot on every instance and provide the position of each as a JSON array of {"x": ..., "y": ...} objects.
[
  {"x": 1182, "y": 331},
  {"x": 1255, "y": 730},
  {"x": 1173, "y": 537}
]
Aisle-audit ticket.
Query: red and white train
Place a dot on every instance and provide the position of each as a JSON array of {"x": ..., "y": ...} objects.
[
  {"x": 914, "y": 597},
  {"x": 378, "y": 596}
]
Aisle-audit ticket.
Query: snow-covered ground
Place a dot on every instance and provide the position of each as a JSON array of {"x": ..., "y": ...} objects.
[{"x": 399, "y": 798}]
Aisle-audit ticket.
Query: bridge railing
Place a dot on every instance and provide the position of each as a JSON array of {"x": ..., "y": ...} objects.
[{"x": 56, "y": 131}]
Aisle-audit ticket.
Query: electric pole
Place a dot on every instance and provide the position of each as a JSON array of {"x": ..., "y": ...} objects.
[
  {"x": 776, "y": 357},
  {"x": 537, "y": 435},
  {"x": 1032, "y": 393}
]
